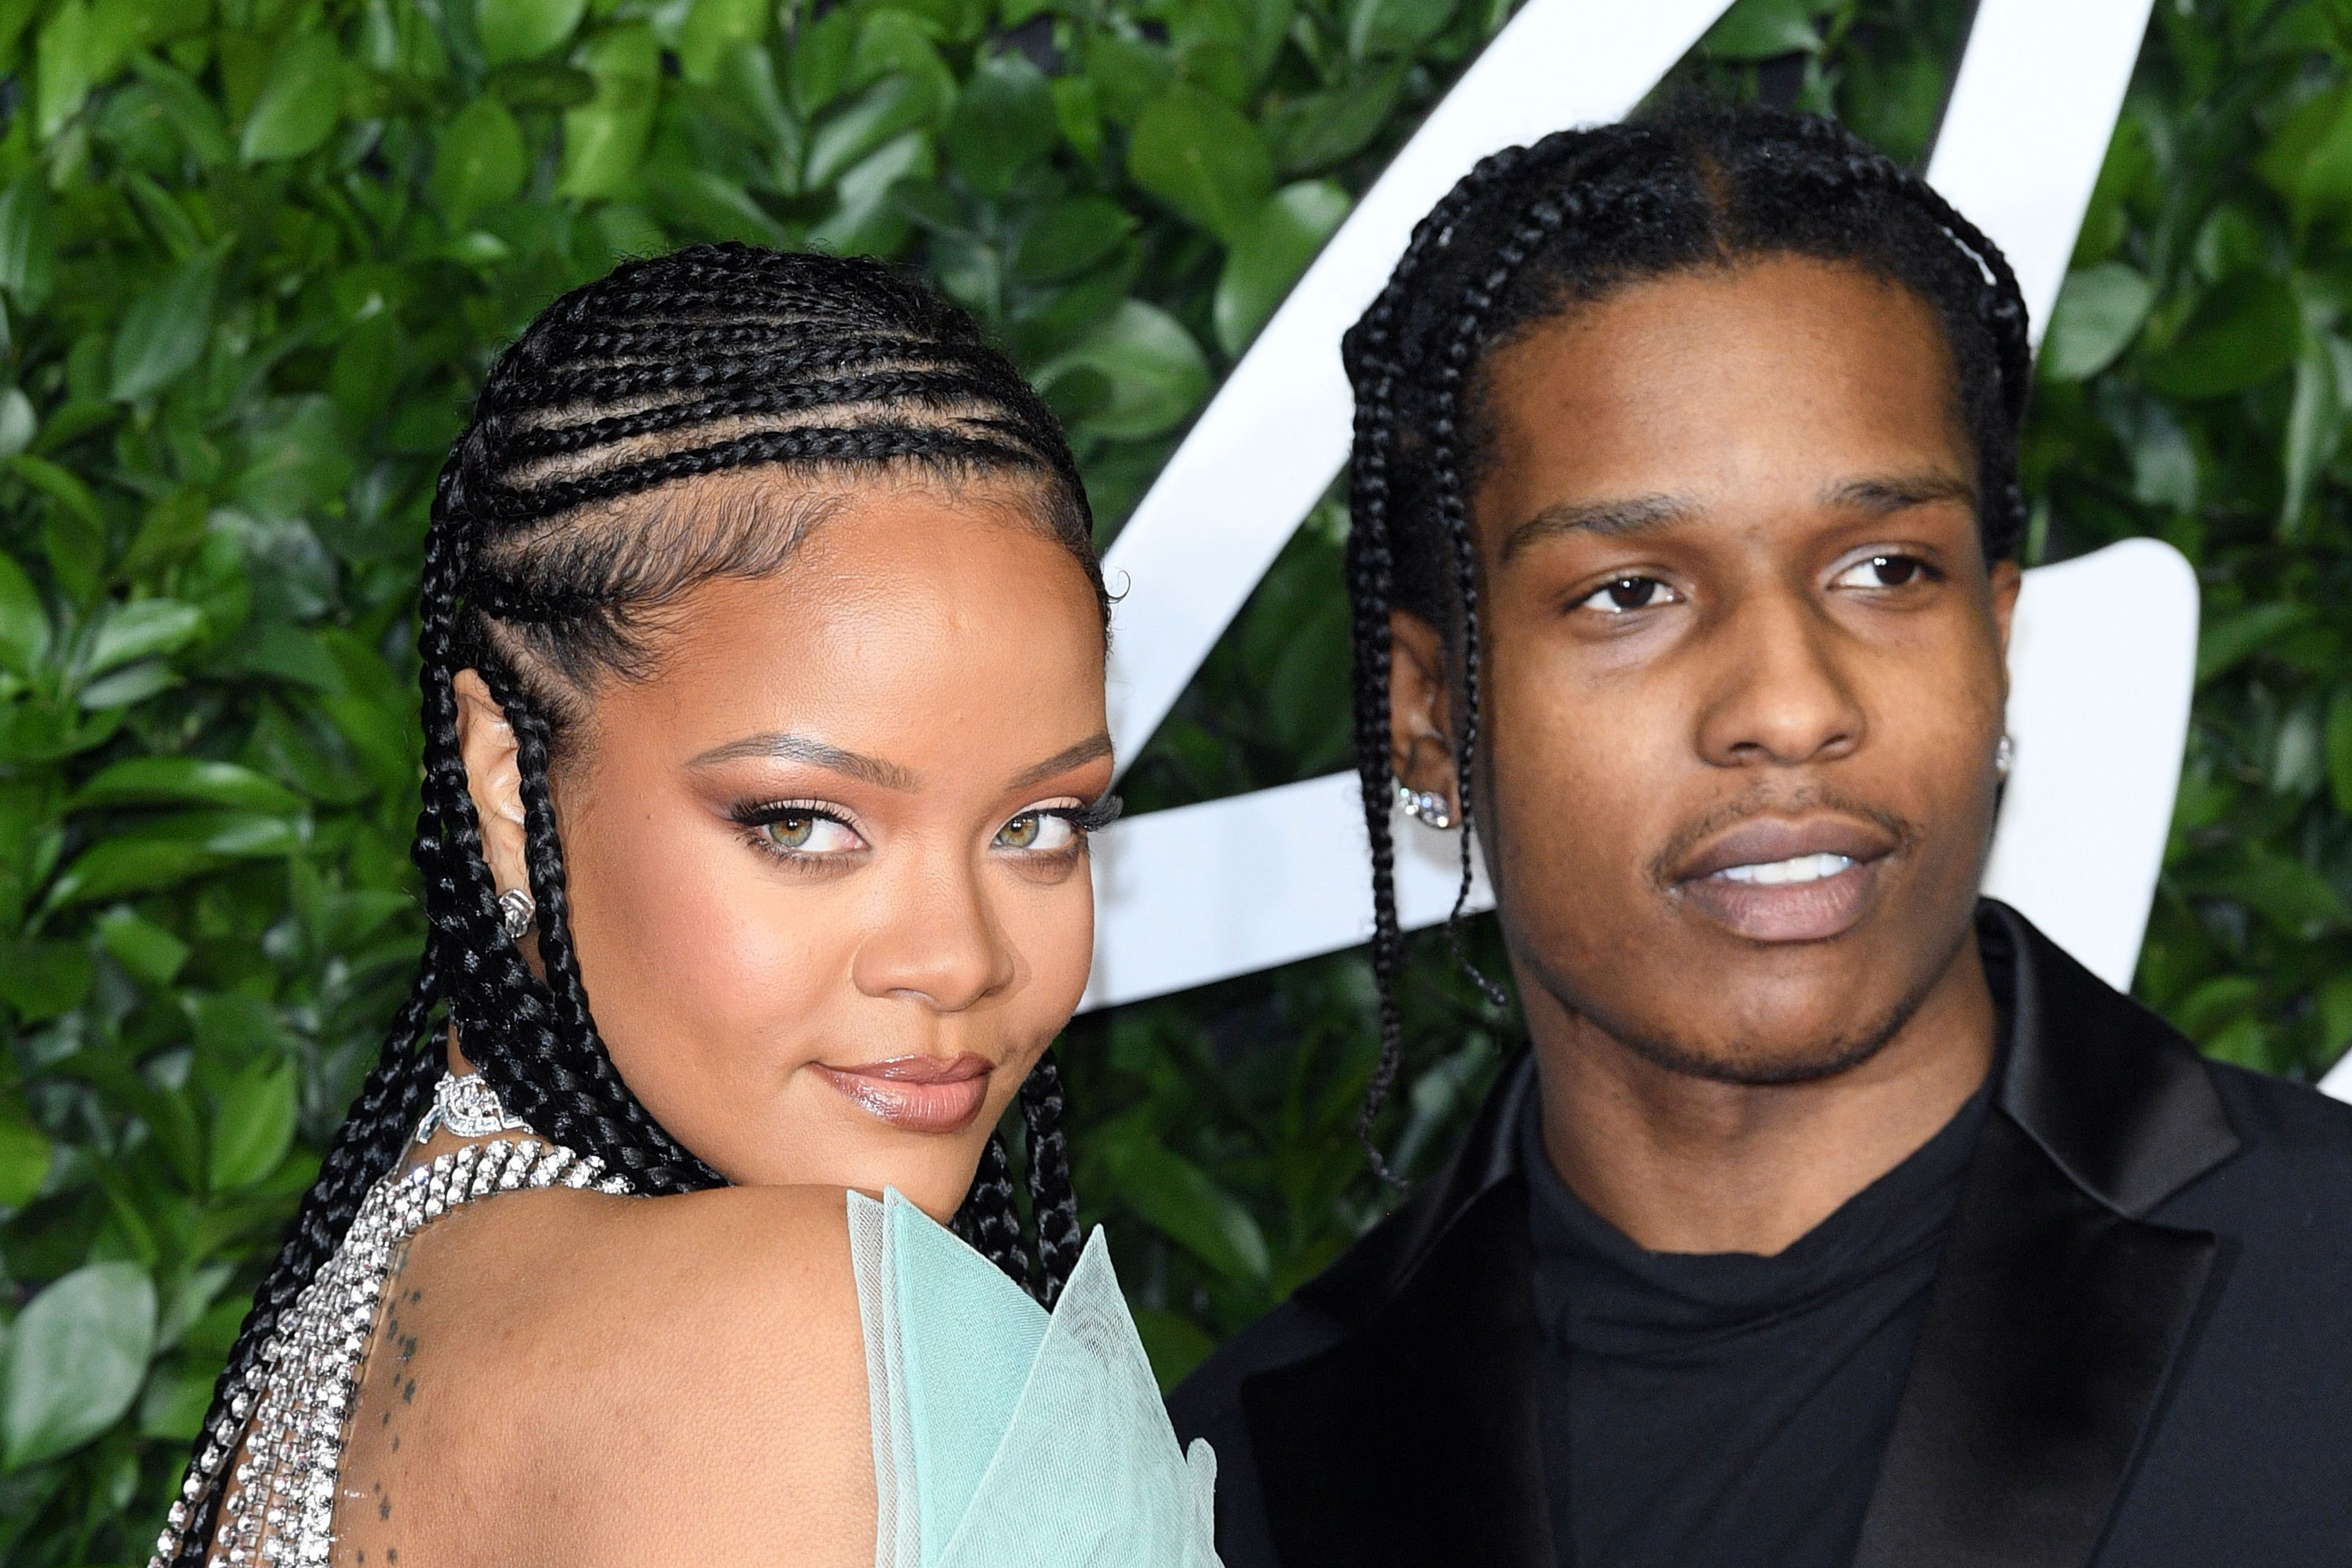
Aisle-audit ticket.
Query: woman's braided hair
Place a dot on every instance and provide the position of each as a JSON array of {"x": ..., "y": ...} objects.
[
  {"x": 1534, "y": 232},
  {"x": 547, "y": 563}
]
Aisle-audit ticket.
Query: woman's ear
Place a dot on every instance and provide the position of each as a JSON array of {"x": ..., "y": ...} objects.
[
  {"x": 486, "y": 743},
  {"x": 1420, "y": 707}
]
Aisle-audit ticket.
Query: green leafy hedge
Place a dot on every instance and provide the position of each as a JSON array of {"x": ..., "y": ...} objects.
[{"x": 254, "y": 254}]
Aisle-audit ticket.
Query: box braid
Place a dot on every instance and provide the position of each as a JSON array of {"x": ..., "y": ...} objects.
[
  {"x": 552, "y": 552},
  {"x": 1533, "y": 232}
]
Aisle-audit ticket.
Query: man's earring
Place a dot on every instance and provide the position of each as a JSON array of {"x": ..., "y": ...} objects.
[
  {"x": 1427, "y": 804},
  {"x": 2004, "y": 753},
  {"x": 516, "y": 912}
]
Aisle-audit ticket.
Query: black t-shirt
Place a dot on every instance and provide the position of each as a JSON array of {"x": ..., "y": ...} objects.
[{"x": 1726, "y": 1408}]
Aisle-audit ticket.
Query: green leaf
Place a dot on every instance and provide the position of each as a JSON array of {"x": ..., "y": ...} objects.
[
  {"x": 77, "y": 1356},
  {"x": 1070, "y": 238},
  {"x": 2292, "y": 897},
  {"x": 142, "y": 629},
  {"x": 1270, "y": 253},
  {"x": 605, "y": 139},
  {"x": 28, "y": 243},
  {"x": 481, "y": 164},
  {"x": 254, "y": 1127},
  {"x": 182, "y": 781},
  {"x": 2099, "y": 311},
  {"x": 62, "y": 52},
  {"x": 24, "y": 1153},
  {"x": 714, "y": 29},
  {"x": 1760, "y": 29},
  {"x": 1004, "y": 122},
  {"x": 2226, "y": 641},
  {"x": 881, "y": 114},
  {"x": 61, "y": 485},
  {"x": 2243, "y": 333},
  {"x": 1182, "y": 1200},
  {"x": 1385, "y": 27},
  {"x": 23, "y": 621},
  {"x": 524, "y": 29},
  {"x": 2339, "y": 750},
  {"x": 1175, "y": 1344},
  {"x": 2314, "y": 429},
  {"x": 865, "y": 222},
  {"x": 301, "y": 101},
  {"x": 1198, "y": 154},
  {"x": 171, "y": 853},
  {"x": 1155, "y": 373},
  {"x": 1312, "y": 133},
  {"x": 149, "y": 952},
  {"x": 44, "y": 979},
  {"x": 164, "y": 331}
]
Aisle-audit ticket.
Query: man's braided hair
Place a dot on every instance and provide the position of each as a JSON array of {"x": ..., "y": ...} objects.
[
  {"x": 1534, "y": 232},
  {"x": 552, "y": 552}
]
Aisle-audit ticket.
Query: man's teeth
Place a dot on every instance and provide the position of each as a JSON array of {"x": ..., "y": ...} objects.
[{"x": 1777, "y": 873}]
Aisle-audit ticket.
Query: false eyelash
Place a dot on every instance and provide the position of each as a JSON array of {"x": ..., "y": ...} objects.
[{"x": 1094, "y": 816}]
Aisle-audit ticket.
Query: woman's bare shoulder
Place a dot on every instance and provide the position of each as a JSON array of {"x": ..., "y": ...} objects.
[{"x": 638, "y": 1379}]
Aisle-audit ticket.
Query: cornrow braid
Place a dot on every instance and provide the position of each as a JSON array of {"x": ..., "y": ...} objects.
[
  {"x": 553, "y": 539},
  {"x": 1533, "y": 232}
]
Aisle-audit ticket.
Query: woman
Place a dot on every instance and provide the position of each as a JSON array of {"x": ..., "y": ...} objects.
[{"x": 762, "y": 644}]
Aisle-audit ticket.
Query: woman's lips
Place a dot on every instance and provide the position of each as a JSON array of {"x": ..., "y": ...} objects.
[{"x": 921, "y": 1094}]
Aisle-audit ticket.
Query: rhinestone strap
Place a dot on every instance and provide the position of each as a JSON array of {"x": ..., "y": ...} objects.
[{"x": 290, "y": 1408}]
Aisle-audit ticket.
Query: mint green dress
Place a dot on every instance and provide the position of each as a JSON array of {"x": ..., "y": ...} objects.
[{"x": 1004, "y": 1437}]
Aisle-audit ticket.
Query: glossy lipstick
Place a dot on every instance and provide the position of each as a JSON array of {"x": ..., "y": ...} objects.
[{"x": 921, "y": 1094}]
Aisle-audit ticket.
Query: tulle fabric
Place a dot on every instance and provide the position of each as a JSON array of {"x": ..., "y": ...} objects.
[{"x": 1006, "y": 1436}]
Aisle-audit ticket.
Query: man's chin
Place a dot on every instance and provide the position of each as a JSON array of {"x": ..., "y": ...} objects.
[{"x": 1755, "y": 1064}]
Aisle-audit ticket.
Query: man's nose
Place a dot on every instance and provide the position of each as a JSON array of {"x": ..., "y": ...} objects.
[{"x": 1780, "y": 693}]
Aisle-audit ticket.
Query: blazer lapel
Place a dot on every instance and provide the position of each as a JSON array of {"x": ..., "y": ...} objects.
[
  {"x": 1417, "y": 1440},
  {"x": 2059, "y": 1312}
]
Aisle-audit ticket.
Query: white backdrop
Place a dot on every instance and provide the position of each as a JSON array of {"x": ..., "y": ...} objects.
[{"x": 2101, "y": 659}]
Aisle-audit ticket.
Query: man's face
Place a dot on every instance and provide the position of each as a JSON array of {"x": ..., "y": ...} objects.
[{"x": 1743, "y": 673}]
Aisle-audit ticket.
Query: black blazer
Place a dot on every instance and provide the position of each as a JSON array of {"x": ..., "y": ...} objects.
[{"x": 2137, "y": 1354}]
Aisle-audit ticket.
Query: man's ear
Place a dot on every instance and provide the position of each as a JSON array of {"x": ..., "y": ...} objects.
[
  {"x": 2008, "y": 577},
  {"x": 1421, "y": 705},
  {"x": 486, "y": 743}
]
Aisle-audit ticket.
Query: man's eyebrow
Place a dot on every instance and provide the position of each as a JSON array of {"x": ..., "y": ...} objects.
[
  {"x": 1632, "y": 514},
  {"x": 816, "y": 754},
  {"x": 1885, "y": 494},
  {"x": 1095, "y": 745}
]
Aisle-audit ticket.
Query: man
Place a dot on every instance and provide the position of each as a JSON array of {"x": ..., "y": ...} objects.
[{"x": 1835, "y": 1216}]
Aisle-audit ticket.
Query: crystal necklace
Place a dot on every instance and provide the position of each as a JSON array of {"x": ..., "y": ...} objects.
[{"x": 285, "y": 1424}]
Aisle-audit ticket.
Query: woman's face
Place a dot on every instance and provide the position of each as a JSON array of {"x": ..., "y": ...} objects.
[{"x": 828, "y": 896}]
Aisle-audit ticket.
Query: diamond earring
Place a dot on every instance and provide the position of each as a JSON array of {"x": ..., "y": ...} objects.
[
  {"x": 516, "y": 912},
  {"x": 1427, "y": 804},
  {"x": 2004, "y": 753}
]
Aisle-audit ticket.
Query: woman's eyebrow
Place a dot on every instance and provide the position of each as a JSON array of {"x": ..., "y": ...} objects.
[
  {"x": 816, "y": 754},
  {"x": 1095, "y": 745},
  {"x": 1631, "y": 514}
]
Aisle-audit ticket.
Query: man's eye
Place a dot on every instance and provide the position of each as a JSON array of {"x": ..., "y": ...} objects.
[
  {"x": 1882, "y": 572},
  {"x": 1039, "y": 832},
  {"x": 809, "y": 833},
  {"x": 1625, "y": 595}
]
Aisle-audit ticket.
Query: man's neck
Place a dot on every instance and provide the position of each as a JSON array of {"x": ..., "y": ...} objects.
[{"x": 1683, "y": 1164}]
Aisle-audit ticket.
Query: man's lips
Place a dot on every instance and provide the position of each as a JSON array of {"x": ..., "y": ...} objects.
[
  {"x": 1779, "y": 880},
  {"x": 921, "y": 1094}
]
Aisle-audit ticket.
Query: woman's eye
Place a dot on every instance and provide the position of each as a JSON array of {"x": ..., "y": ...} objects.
[
  {"x": 1037, "y": 832},
  {"x": 1622, "y": 595},
  {"x": 1882, "y": 572},
  {"x": 809, "y": 833}
]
